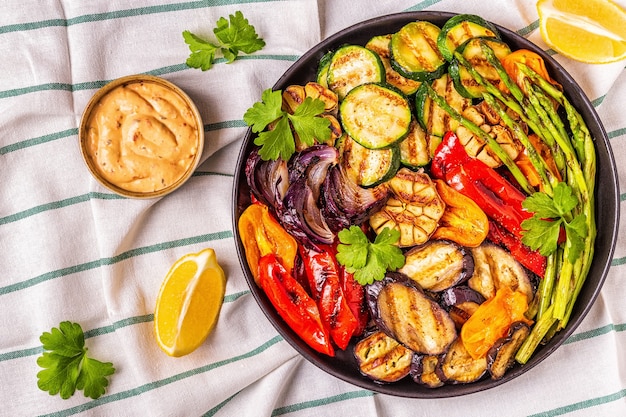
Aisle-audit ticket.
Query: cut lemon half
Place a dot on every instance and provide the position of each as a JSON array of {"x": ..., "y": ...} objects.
[
  {"x": 591, "y": 31},
  {"x": 189, "y": 302}
]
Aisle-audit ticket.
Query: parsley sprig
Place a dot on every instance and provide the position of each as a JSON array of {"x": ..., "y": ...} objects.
[
  {"x": 543, "y": 229},
  {"x": 67, "y": 366},
  {"x": 369, "y": 261},
  {"x": 234, "y": 35},
  {"x": 279, "y": 141}
]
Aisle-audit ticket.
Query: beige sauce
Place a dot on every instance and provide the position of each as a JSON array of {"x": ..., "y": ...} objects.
[{"x": 142, "y": 136}]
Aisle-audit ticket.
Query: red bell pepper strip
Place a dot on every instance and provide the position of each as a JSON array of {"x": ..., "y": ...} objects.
[
  {"x": 323, "y": 273},
  {"x": 497, "y": 197},
  {"x": 531, "y": 259},
  {"x": 293, "y": 304},
  {"x": 355, "y": 296}
]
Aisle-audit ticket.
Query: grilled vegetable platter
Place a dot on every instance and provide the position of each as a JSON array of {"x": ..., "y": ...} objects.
[{"x": 418, "y": 201}]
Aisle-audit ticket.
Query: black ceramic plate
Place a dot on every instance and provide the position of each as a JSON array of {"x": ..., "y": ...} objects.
[{"x": 343, "y": 365}]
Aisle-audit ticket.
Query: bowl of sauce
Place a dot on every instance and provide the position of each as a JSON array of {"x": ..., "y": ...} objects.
[{"x": 141, "y": 136}]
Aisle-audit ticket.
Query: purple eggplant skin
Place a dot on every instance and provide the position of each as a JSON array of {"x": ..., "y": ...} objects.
[
  {"x": 501, "y": 356},
  {"x": 458, "y": 366},
  {"x": 424, "y": 370},
  {"x": 459, "y": 295},
  {"x": 406, "y": 313},
  {"x": 438, "y": 265},
  {"x": 382, "y": 359}
]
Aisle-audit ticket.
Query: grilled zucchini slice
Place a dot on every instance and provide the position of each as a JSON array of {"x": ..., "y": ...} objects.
[
  {"x": 353, "y": 65},
  {"x": 473, "y": 53},
  {"x": 380, "y": 45},
  {"x": 322, "y": 69},
  {"x": 416, "y": 149},
  {"x": 414, "y": 51},
  {"x": 435, "y": 120},
  {"x": 368, "y": 167},
  {"x": 375, "y": 116},
  {"x": 459, "y": 29}
]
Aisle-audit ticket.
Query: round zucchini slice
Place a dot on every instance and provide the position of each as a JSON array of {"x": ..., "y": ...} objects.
[
  {"x": 380, "y": 45},
  {"x": 368, "y": 167},
  {"x": 375, "y": 116},
  {"x": 351, "y": 66},
  {"x": 473, "y": 53},
  {"x": 414, "y": 51},
  {"x": 459, "y": 29}
]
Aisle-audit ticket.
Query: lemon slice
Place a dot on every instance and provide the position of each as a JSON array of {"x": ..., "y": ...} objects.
[
  {"x": 591, "y": 31},
  {"x": 189, "y": 302}
]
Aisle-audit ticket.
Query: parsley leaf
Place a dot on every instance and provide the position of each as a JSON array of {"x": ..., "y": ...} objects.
[
  {"x": 67, "y": 366},
  {"x": 366, "y": 260},
  {"x": 234, "y": 36},
  {"x": 279, "y": 140},
  {"x": 542, "y": 231}
]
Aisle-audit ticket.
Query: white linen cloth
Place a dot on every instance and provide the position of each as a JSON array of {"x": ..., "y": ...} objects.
[{"x": 71, "y": 250}]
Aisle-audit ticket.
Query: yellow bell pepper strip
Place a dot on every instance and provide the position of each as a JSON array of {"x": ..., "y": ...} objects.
[
  {"x": 293, "y": 304},
  {"x": 492, "y": 320},
  {"x": 463, "y": 221},
  {"x": 262, "y": 234}
]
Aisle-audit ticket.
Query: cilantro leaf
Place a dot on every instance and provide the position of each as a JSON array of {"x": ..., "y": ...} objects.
[
  {"x": 264, "y": 112},
  {"x": 279, "y": 140},
  {"x": 234, "y": 35},
  {"x": 542, "y": 235},
  {"x": 238, "y": 36},
  {"x": 366, "y": 260},
  {"x": 542, "y": 231},
  {"x": 66, "y": 366},
  {"x": 202, "y": 52}
]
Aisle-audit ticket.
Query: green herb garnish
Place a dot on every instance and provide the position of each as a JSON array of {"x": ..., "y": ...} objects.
[
  {"x": 366, "y": 260},
  {"x": 67, "y": 366},
  {"x": 279, "y": 141},
  {"x": 543, "y": 229},
  {"x": 234, "y": 36}
]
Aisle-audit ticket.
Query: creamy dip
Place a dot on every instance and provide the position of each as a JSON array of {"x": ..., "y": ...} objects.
[{"x": 142, "y": 136}]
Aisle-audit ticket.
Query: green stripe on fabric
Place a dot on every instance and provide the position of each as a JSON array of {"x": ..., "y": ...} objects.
[
  {"x": 616, "y": 133},
  {"x": 38, "y": 140},
  {"x": 58, "y": 204},
  {"x": 322, "y": 402},
  {"x": 421, "y": 6},
  {"x": 525, "y": 31},
  {"x": 582, "y": 405},
  {"x": 622, "y": 197},
  {"x": 162, "y": 382},
  {"x": 618, "y": 261},
  {"x": 227, "y": 124},
  {"x": 92, "y": 85},
  {"x": 595, "y": 332},
  {"x": 119, "y": 14},
  {"x": 130, "y": 321},
  {"x": 218, "y": 407},
  {"x": 115, "y": 259},
  {"x": 598, "y": 101}
]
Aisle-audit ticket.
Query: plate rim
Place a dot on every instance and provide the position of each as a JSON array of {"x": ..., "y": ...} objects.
[{"x": 331, "y": 365}]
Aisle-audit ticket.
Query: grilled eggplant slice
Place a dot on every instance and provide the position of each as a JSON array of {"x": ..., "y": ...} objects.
[
  {"x": 403, "y": 311},
  {"x": 461, "y": 302},
  {"x": 382, "y": 358},
  {"x": 495, "y": 267},
  {"x": 424, "y": 370},
  {"x": 438, "y": 265},
  {"x": 502, "y": 355},
  {"x": 458, "y": 366}
]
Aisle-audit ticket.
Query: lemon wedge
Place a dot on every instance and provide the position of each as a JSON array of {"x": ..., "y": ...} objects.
[
  {"x": 189, "y": 302},
  {"x": 591, "y": 31}
]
